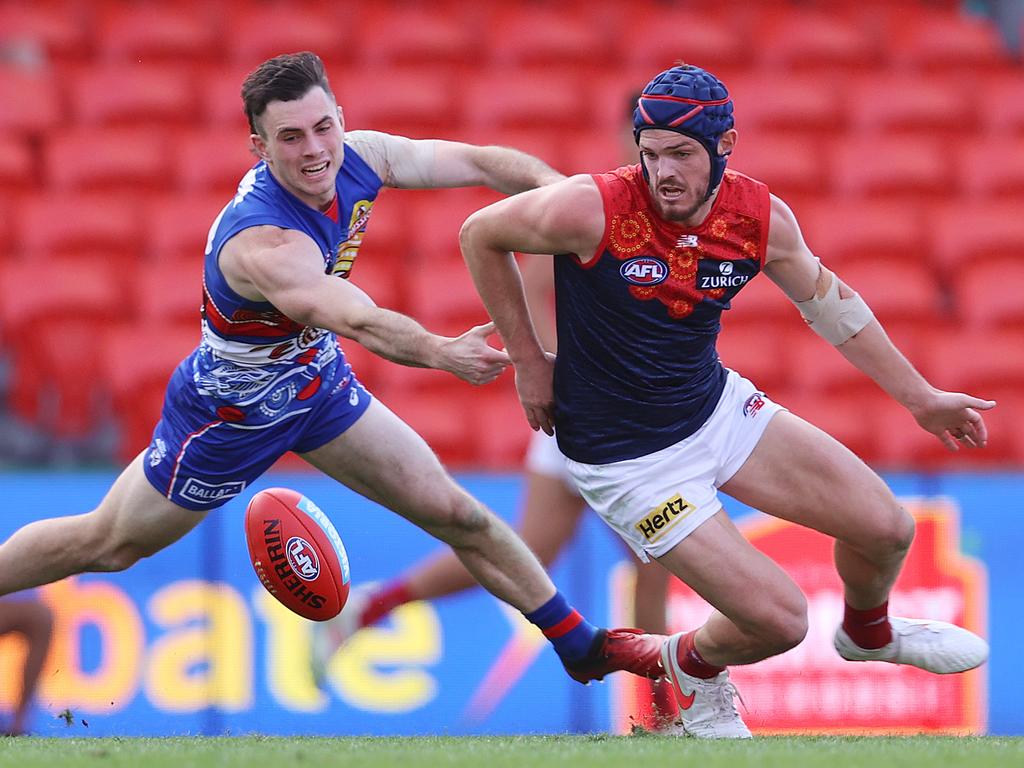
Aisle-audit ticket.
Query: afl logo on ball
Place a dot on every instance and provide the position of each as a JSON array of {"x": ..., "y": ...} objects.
[
  {"x": 644, "y": 270},
  {"x": 302, "y": 558}
]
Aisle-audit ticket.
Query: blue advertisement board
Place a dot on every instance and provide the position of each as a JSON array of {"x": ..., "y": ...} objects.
[{"x": 188, "y": 642}]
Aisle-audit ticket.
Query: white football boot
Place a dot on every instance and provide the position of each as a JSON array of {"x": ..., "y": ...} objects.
[
  {"x": 707, "y": 708},
  {"x": 329, "y": 636},
  {"x": 934, "y": 646}
]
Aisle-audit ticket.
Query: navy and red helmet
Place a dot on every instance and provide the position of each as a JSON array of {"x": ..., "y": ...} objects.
[{"x": 691, "y": 101}]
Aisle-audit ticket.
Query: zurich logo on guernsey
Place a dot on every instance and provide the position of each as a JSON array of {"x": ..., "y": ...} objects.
[{"x": 644, "y": 270}]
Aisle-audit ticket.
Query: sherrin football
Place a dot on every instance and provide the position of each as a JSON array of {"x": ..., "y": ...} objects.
[{"x": 297, "y": 553}]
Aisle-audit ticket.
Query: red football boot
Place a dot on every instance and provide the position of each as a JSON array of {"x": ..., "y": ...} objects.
[{"x": 627, "y": 650}]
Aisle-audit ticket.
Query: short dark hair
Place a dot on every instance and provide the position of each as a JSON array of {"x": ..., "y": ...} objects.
[{"x": 287, "y": 77}]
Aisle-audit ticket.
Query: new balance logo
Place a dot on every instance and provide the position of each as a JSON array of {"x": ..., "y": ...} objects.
[{"x": 686, "y": 241}]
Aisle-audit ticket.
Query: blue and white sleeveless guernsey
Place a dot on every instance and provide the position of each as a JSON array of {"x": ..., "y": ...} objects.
[
  {"x": 260, "y": 384},
  {"x": 637, "y": 369}
]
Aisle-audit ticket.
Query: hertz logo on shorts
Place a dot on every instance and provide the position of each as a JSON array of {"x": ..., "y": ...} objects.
[{"x": 664, "y": 516}]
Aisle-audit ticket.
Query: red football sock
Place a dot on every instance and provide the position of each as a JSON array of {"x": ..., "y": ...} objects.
[
  {"x": 691, "y": 662},
  {"x": 384, "y": 602},
  {"x": 869, "y": 629}
]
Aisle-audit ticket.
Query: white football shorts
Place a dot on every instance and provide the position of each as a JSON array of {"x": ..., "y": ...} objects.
[
  {"x": 657, "y": 500},
  {"x": 544, "y": 458}
]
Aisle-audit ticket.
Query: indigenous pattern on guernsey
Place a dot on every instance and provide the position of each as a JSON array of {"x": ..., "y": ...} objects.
[{"x": 637, "y": 369}]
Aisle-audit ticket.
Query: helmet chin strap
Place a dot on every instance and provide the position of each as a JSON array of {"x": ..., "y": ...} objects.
[{"x": 713, "y": 183}]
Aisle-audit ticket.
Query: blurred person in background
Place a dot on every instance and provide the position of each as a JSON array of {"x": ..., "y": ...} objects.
[
  {"x": 653, "y": 425},
  {"x": 32, "y": 620},
  {"x": 269, "y": 375}
]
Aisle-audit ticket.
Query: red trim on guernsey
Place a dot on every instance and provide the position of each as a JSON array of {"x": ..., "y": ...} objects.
[
  {"x": 564, "y": 627},
  {"x": 273, "y": 325},
  {"x": 332, "y": 210}
]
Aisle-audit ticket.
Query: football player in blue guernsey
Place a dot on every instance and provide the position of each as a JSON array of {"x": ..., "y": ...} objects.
[
  {"x": 653, "y": 425},
  {"x": 269, "y": 375}
]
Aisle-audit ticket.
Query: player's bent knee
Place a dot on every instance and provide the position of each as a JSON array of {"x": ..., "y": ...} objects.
[
  {"x": 459, "y": 519},
  {"x": 782, "y": 624},
  {"x": 894, "y": 536}
]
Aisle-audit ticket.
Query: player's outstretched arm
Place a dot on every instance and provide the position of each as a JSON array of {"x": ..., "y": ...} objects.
[
  {"x": 834, "y": 311},
  {"x": 285, "y": 268},
  {"x": 434, "y": 163},
  {"x": 562, "y": 218}
]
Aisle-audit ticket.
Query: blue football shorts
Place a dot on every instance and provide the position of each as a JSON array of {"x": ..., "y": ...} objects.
[{"x": 206, "y": 450}]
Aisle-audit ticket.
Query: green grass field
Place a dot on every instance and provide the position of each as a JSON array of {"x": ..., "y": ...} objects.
[{"x": 514, "y": 752}]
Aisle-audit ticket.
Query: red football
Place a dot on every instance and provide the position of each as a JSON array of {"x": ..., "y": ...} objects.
[{"x": 297, "y": 554}]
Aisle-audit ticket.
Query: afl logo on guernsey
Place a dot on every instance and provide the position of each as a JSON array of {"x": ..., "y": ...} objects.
[{"x": 644, "y": 270}]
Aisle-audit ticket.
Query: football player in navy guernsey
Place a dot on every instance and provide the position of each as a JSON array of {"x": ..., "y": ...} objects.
[
  {"x": 269, "y": 375},
  {"x": 653, "y": 424}
]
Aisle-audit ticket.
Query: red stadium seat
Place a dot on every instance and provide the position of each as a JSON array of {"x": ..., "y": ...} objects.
[
  {"x": 989, "y": 168},
  {"x": 791, "y": 167},
  {"x": 766, "y": 103},
  {"x": 1001, "y": 106},
  {"x": 844, "y": 231},
  {"x": 121, "y": 160},
  {"x": 439, "y": 420},
  {"x": 138, "y": 361},
  {"x": 926, "y": 38},
  {"x": 36, "y": 96},
  {"x": 893, "y": 168},
  {"x": 503, "y": 430},
  {"x": 170, "y": 32},
  {"x": 988, "y": 294},
  {"x": 85, "y": 226},
  {"x": 443, "y": 298},
  {"x": 61, "y": 28},
  {"x": 519, "y": 35},
  {"x": 437, "y": 217},
  {"x": 176, "y": 228},
  {"x": 965, "y": 233},
  {"x": 377, "y": 277},
  {"x": 527, "y": 99},
  {"x": 819, "y": 369},
  {"x": 652, "y": 36},
  {"x": 908, "y": 104},
  {"x": 983, "y": 362},
  {"x": 169, "y": 296},
  {"x": 421, "y": 35},
  {"x": 212, "y": 161},
  {"x": 846, "y": 417},
  {"x": 896, "y": 289},
  {"x": 148, "y": 95},
  {"x": 411, "y": 101},
  {"x": 821, "y": 40},
  {"x": 53, "y": 318},
  {"x": 258, "y": 32},
  {"x": 220, "y": 93},
  {"x": 18, "y": 165},
  {"x": 758, "y": 352}
]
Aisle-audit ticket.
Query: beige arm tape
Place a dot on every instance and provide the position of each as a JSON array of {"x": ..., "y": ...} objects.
[{"x": 834, "y": 319}]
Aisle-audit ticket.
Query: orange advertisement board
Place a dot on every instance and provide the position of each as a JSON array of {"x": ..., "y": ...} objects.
[{"x": 810, "y": 688}]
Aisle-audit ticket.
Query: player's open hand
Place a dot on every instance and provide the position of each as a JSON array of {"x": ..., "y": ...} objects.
[
  {"x": 954, "y": 418},
  {"x": 472, "y": 358}
]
